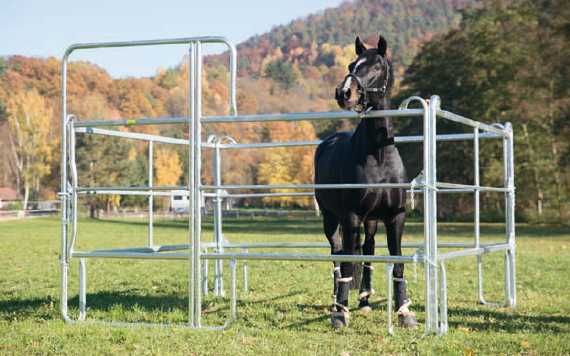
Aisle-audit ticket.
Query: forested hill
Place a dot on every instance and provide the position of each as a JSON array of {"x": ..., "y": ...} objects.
[{"x": 406, "y": 24}]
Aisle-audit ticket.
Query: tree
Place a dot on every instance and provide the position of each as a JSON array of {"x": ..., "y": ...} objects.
[
  {"x": 167, "y": 167},
  {"x": 282, "y": 72},
  {"x": 31, "y": 140},
  {"x": 288, "y": 165},
  {"x": 488, "y": 71}
]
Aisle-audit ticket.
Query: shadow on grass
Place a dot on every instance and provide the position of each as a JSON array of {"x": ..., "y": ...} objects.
[
  {"x": 106, "y": 301},
  {"x": 511, "y": 322},
  {"x": 43, "y": 308},
  {"x": 486, "y": 319}
]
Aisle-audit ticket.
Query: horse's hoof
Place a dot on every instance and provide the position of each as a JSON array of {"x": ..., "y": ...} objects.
[
  {"x": 339, "y": 319},
  {"x": 408, "y": 320},
  {"x": 364, "y": 306}
]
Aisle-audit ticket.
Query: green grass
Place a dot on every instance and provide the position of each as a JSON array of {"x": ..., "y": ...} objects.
[{"x": 286, "y": 310}]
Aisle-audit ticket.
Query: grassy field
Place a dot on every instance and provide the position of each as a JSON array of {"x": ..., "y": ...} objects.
[{"x": 285, "y": 311}]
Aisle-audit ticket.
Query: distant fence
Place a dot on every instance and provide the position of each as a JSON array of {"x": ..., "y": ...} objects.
[{"x": 13, "y": 209}]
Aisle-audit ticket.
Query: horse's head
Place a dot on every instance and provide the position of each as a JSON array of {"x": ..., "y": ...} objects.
[{"x": 369, "y": 79}]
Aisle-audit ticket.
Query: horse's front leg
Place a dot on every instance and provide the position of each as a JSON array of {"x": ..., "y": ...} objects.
[
  {"x": 394, "y": 230},
  {"x": 366, "y": 290},
  {"x": 350, "y": 242}
]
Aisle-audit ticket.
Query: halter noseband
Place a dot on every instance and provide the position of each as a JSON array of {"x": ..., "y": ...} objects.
[{"x": 364, "y": 89}]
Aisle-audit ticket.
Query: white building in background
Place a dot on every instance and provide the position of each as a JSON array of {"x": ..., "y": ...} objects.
[{"x": 180, "y": 202}]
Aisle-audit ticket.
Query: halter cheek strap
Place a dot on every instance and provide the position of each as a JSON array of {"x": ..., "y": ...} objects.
[{"x": 364, "y": 89}]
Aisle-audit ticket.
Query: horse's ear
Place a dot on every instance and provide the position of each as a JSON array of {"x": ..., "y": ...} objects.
[
  {"x": 359, "y": 46},
  {"x": 382, "y": 46}
]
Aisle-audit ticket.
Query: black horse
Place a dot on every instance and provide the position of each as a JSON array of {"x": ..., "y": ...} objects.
[{"x": 367, "y": 155}]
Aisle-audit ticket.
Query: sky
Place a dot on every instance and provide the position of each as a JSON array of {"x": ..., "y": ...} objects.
[{"x": 47, "y": 27}]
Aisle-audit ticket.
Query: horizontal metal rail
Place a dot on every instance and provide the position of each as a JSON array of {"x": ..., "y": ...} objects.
[
  {"x": 250, "y": 256},
  {"x": 157, "y": 42},
  {"x": 131, "y": 135},
  {"x": 177, "y": 190},
  {"x": 397, "y": 139},
  {"x": 472, "y": 187},
  {"x": 467, "y": 246},
  {"x": 309, "y": 116},
  {"x": 178, "y": 141},
  {"x": 260, "y": 195},
  {"x": 134, "y": 122},
  {"x": 306, "y": 186},
  {"x": 123, "y": 190},
  {"x": 463, "y": 120},
  {"x": 483, "y": 249},
  {"x": 90, "y": 191}
]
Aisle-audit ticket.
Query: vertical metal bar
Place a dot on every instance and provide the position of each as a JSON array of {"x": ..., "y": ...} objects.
[
  {"x": 64, "y": 191},
  {"x": 476, "y": 178},
  {"x": 197, "y": 218},
  {"x": 390, "y": 296},
  {"x": 477, "y": 212},
  {"x": 82, "y": 290},
  {"x": 191, "y": 161},
  {"x": 430, "y": 216},
  {"x": 443, "y": 300},
  {"x": 151, "y": 196},
  {"x": 205, "y": 264},
  {"x": 233, "y": 79},
  {"x": 233, "y": 308},
  {"x": 218, "y": 236},
  {"x": 427, "y": 231},
  {"x": 510, "y": 273},
  {"x": 245, "y": 274}
]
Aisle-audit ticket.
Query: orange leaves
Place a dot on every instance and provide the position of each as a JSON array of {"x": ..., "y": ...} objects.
[
  {"x": 288, "y": 165},
  {"x": 167, "y": 166}
]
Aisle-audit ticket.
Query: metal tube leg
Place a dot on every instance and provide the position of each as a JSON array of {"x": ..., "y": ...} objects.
[
  {"x": 82, "y": 290},
  {"x": 512, "y": 259},
  {"x": 245, "y": 274},
  {"x": 205, "y": 264},
  {"x": 233, "y": 307},
  {"x": 443, "y": 325},
  {"x": 390, "y": 296},
  {"x": 63, "y": 292},
  {"x": 510, "y": 289},
  {"x": 480, "y": 293}
]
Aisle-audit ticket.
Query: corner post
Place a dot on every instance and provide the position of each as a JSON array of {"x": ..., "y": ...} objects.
[
  {"x": 151, "y": 194},
  {"x": 509, "y": 175},
  {"x": 430, "y": 216},
  {"x": 218, "y": 235}
]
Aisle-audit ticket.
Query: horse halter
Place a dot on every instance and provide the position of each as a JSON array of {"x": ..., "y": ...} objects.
[{"x": 364, "y": 90}]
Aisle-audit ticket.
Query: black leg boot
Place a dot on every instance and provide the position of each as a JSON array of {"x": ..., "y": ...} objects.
[
  {"x": 366, "y": 289},
  {"x": 340, "y": 313}
]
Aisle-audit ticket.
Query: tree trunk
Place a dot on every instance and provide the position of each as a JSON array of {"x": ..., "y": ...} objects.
[{"x": 26, "y": 195}]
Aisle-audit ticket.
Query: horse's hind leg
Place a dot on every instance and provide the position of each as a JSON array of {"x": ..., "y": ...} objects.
[
  {"x": 331, "y": 227},
  {"x": 370, "y": 227},
  {"x": 394, "y": 230}
]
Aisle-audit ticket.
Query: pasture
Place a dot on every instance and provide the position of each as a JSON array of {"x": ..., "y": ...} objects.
[{"x": 286, "y": 309}]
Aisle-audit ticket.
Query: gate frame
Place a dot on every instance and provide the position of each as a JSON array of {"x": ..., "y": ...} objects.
[{"x": 197, "y": 252}]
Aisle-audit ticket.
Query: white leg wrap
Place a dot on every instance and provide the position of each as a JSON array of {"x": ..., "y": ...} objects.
[
  {"x": 366, "y": 294},
  {"x": 404, "y": 309}
]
